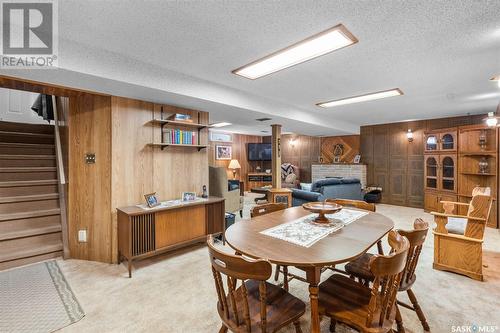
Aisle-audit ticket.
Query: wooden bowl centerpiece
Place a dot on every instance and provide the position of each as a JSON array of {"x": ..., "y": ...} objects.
[{"x": 322, "y": 208}]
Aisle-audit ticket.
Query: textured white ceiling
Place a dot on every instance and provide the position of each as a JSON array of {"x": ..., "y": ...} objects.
[{"x": 440, "y": 53}]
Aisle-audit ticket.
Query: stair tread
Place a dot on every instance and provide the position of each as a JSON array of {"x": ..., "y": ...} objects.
[
  {"x": 26, "y": 157},
  {"x": 16, "y": 183},
  {"x": 31, "y": 134},
  {"x": 27, "y": 169},
  {"x": 35, "y": 213},
  {"x": 27, "y": 232},
  {"x": 34, "y": 197},
  {"x": 19, "y": 144},
  {"x": 29, "y": 250}
]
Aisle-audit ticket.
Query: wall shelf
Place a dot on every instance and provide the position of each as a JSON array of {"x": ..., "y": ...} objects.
[
  {"x": 197, "y": 127},
  {"x": 482, "y": 153},
  {"x": 477, "y": 174},
  {"x": 179, "y": 123},
  {"x": 164, "y": 145},
  {"x": 471, "y": 154}
]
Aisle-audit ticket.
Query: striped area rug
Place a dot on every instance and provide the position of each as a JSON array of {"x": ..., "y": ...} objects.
[{"x": 37, "y": 298}]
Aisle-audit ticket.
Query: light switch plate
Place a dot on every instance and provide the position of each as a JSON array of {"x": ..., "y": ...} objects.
[
  {"x": 82, "y": 236},
  {"x": 90, "y": 158}
]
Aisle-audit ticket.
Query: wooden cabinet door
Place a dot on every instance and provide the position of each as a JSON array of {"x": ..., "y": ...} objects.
[
  {"x": 179, "y": 225},
  {"x": 398, "y": 158},
  {"x": 447, "y": 173},
  {"x": 431, "y": 143},
  {"x": 448, "y": 141},
  {"x": 431, "y": 172},
  {"x": 431, "y": 201}
]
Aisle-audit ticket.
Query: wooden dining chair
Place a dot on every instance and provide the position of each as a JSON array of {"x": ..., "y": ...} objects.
[
  {"x": 360, "y": 269},
  {"x": 363, "y": 308},
  {"x": 360, "y": 204},
  {"x": 354, "y": 203},
  {"x": 266, "y": 209},
  {"x": 256, "y": 305},
  {"x": 458, "y": 239}
]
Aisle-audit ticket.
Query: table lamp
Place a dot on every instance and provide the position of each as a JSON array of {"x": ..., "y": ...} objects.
[{"x": 234, "y": 164}]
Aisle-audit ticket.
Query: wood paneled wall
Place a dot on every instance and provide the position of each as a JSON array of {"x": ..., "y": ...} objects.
[
  {"x": 396, "y": 164},
  {"x": 239, "y": 152},
  {"x": 138, "y": 169},
  {"x": 89, "y": 197},
  {"x": 351, "y": 147},
  {"x": 304, "y": 152},
  {"x": 117, "y": 131}
]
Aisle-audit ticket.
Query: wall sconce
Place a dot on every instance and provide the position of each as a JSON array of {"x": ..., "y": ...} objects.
[
  {"x": 491, "y": 120},
  {"x": 292, "y": 142},
  {"x": 409, "y": 135}
]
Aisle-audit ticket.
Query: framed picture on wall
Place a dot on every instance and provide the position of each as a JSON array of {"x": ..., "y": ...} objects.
[
  {"x": 223, "y": 152},
  {"x": 357, "y": 159}
]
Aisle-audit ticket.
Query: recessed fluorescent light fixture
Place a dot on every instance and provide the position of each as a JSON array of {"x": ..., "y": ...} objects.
[
  {"x": 220, "y": 124},
  {"x": 362, "y": 98},
  {"x": 320, "y": 44}
]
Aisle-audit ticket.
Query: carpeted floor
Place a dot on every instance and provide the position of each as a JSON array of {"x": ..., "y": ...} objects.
[
  {"x": 36, "y": 298},
  {"x": 175, "y": 292}
]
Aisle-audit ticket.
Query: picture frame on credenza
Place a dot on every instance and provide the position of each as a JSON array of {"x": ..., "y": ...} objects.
[{"x": 152, "y": 200}]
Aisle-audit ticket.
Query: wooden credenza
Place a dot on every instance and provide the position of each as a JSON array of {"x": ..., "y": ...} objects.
[
  {"x": 259, "y": 179},
  {"x": 143, "y": 233}
]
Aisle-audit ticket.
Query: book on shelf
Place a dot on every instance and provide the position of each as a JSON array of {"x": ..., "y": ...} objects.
[
  {"x": 179, "y": 137},
  {"x": 180, "y": 117}
]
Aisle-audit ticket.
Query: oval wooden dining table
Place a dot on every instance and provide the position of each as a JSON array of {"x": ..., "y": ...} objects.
[{"x": 344, "y": 245}]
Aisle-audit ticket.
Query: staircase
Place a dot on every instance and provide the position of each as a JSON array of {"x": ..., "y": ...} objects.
[{"x": 30, "y": 220}]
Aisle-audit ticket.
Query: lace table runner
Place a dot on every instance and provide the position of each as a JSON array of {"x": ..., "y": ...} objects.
[{"x": 305, "y": 232}]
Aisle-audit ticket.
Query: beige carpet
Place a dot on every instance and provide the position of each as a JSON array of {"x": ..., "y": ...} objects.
[
  {"x": 36, "y": 298},
  {"x": 175, "y": 293}
]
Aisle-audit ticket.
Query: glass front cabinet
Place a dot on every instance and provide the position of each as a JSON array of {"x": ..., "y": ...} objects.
[
  {"x": 441, "y": 172},
  {"x": 442, "y": 141},
  {"x": 431, "y": 172},
  {"x": 440, "y": 180}
]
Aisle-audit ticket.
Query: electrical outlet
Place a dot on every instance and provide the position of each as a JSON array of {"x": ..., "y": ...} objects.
[{"x": 82, "y": 236}]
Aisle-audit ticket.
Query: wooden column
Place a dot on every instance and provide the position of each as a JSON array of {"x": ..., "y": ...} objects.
[{"x": 276, "y": 162}]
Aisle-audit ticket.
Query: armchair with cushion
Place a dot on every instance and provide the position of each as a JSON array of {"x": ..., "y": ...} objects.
[
  {"x": 458, "y": 239},
  {"x": 219, "y": 187}
]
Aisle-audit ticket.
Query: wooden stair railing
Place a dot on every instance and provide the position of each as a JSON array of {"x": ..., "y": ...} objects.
[{"x": 62, "y": 187}]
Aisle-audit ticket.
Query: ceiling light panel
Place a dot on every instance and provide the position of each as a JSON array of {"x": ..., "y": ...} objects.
[
  {"x": 362, "y": 98},
  {"x": 220, "y": 124},
  {"x": 320, "y": 44}
]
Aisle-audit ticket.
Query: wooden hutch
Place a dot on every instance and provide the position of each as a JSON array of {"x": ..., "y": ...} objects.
[
  {"x": 440, "y": 168},
  {"x": 457, "y": 160}
]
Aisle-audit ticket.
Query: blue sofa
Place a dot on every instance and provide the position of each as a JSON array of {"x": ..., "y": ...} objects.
[{"x": 329, "y": 188}]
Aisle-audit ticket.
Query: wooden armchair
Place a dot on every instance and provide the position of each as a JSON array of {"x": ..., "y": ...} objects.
[
  {"x": 266, "y": 209},
  {"x": 254, "y": 306},
  {"x": 367, "y": 309},
  {"x": 458, "y": 239},
  {"x": 360, "y": 269},
  {"x": 354, "y": 203}
]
